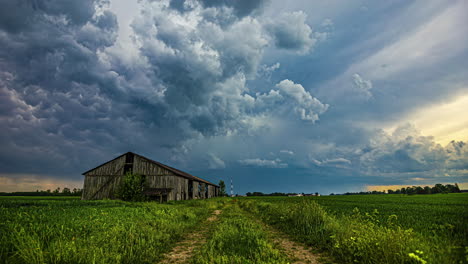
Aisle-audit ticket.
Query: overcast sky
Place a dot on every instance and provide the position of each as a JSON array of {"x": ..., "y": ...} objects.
[{"x": 291, "y": 96}]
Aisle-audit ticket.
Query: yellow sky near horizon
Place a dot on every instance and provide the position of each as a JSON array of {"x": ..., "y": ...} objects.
[{"x": 445, "y": 122}]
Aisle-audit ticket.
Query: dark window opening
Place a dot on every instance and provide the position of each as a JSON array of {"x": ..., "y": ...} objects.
[
  {"x": 128, "y": 168},
  {"x": 129, "y": 158}
]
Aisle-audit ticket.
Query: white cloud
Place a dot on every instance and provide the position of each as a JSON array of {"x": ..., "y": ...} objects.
[
  {"x": 334, "y": 162},
  {"x": 277, "y": 163},
  {"x": 215, "y": 162},
  {"x": 288, "y": 152},
  {"x": 406, "y": 151},
  {"x": 290, "y": 31},
  {"x": 337, "y": 161},
  {"x": 305, "y": 105},
  {"x": 266, "y": 71},
  {"x": 362, "y": 86}
]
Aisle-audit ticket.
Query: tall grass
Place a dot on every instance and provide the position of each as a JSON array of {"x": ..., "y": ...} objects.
[
  {"x": 355, "y": 238},
  {"x": 74, "y": 231}
]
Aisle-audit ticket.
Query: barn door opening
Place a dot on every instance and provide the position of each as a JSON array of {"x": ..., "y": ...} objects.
[
  {"x": 128, "y": 167},
  {"x": 190, "y": 190}
]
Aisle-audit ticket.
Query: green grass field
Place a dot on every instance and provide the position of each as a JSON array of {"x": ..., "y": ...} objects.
[
  {"x": 68, "y": 230},
  {"x": 351, "y": 229}
]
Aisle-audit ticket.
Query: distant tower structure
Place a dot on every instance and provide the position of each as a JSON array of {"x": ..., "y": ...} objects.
[{"x": 232, "y": 188}]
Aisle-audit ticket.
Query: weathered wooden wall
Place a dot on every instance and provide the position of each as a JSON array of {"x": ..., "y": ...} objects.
[
  {"x": 179, "y": 185},
  {"x": 145, "y": 167},
  {"x": 101, "y": 187},
  {"x": 196, "y": 193},
  {"x": 211, "y": 191},
  {"x": 102, "y": 182},
  {"x": 114, "y": 167}
]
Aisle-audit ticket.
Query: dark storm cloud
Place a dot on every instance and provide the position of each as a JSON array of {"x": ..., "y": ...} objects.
[
  {"x": 21, "y": 15},
  {"x": 65, "y": 93},
  {"x": 55, "y": 88},
  {"x": 241, "y": 8}
]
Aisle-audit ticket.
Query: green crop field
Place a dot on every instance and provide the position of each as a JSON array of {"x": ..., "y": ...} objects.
[
  {"x": 374, "y": 228},
  {"x": 347, "y": 229},
  {"x": 426, "y": 214}
]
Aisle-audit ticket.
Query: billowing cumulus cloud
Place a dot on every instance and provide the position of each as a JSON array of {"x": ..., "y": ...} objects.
[
  {"x": 457, "y": 152},
  {"x": 291, "y": 97},
  {"x": 290, "y": 31},
  {"x": 306, "y": 106},
  {"x": 407, "y": 151}
]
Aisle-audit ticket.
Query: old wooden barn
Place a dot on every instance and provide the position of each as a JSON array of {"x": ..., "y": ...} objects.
[{"x": 163, "y": 183}]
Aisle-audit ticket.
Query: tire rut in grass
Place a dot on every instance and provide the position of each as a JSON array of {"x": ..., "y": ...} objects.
[
  {"x": 296, "y": 251},
  {"x": 183, "y": 250}
]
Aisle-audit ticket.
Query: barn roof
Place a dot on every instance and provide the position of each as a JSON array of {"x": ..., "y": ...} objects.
[{"x": 169, "y": 168}]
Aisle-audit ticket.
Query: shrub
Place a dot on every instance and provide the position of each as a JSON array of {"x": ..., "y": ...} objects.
[{"x": 132, "y": 188}]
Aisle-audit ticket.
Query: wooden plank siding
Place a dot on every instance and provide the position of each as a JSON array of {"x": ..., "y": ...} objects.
[
  {"x": 103, "y": 181},
  {"x": 97, "y": 187}
]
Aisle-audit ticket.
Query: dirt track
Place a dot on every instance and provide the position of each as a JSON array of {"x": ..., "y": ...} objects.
[{"x": 183, "y": 250}]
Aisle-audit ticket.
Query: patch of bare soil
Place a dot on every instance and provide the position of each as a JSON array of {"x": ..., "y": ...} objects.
[
  {"x": 183, "y": 250},
  {"x": 298, "y": 253},
  {"x": 214, "y": 216}
]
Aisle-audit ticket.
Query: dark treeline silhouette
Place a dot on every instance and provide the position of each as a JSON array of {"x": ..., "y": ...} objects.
[
  {"x": 279, "y": 194},
  {"x": 267, "y": 194},
  {"x": 438, "y": 188},
  {"x": 57, "y": 192}
]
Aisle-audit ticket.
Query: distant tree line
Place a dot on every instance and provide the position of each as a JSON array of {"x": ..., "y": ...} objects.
[
  {"x": 278, "y": 194},
  {"x": 57, "y": 192},
  {"x": 266, "y": 194},
  {"x": 438, "y": 188}
]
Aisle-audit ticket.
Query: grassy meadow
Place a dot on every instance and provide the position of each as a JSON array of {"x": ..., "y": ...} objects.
[
  {"x": 350, "y": 229},
  {"x": 68, "y": 230}
]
